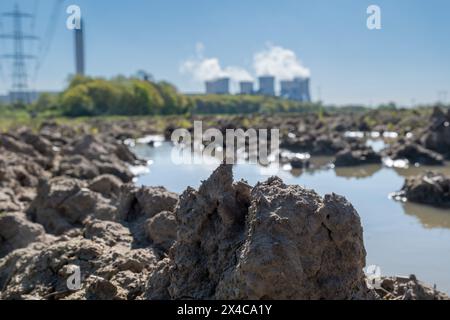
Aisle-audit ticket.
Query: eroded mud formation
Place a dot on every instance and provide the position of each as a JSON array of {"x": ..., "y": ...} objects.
[
  {"x": 430, "y": 145},
  {"x": 407, "y": 288},
  {"x": 414, "y": 153},
  {"x": 270, "y": 242},
  {"x": 430, "y": 188},
  {"x": 356, "y": 157},
  {"x": 437, "y": 136}
]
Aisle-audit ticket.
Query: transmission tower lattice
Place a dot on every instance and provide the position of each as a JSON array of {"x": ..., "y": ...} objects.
[{"x": 19, "y": 90}]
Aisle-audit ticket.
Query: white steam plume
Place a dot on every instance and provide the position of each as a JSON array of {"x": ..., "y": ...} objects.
[
  {"x": 202, "y": 68},
  {"x": 279, "y": 62}
]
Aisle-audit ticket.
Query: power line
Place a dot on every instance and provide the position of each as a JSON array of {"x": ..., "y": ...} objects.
[
  {"x": 2, "y": 46},
  {"x": 49, "y": 35},
  {"x": 35, "y": 11},
  {"x": 32, "y": 30}
]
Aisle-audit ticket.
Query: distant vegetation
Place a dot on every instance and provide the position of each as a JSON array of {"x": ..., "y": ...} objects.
[
  {"x": 235, "y": 104},
  {"x": 134, "y": 96},
  {"x": 121, "y": 96}
]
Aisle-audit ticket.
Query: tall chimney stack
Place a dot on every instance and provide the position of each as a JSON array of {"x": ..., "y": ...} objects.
[{"x": 79, "y": 50}]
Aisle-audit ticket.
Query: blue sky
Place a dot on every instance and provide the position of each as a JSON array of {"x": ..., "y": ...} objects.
[{"x": 408, "y": 60}]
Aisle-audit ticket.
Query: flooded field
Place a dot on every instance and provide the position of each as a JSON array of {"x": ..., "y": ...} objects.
[{"x": 399, "y": 237}]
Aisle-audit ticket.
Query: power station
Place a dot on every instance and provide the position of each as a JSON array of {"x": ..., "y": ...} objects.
[
  {"x": 246, "y": 87},
  {"x": 218, "y": 86},
  {"x": 267, "y": 86},
  {"x": 297, "y": 89}
]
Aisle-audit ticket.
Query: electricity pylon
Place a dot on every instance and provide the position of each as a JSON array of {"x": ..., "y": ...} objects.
[{"x": 19, "y": 90}]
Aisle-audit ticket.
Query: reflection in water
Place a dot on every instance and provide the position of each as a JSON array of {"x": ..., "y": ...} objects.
[
  {"x": 429, "y": 217},
  {"x": 321, "y": 162},
  {"x": 413, "y": 170},
  {"x": 376, "y": 144},
  {"x": 359, "y": 172},
  {"x": 316, "y": 164},
  {"x": 296, "y": 172}
]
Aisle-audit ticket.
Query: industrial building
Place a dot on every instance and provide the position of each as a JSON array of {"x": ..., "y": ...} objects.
[
  {"x": 297, "y": 89},
  {"x": 246, "y": 87},
  {"x": 218, "y": 86},
  {"x": 306, "y": 90},
  {"x": 267, "y": 86}
]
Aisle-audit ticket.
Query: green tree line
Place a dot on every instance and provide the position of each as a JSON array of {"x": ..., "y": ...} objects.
[
  {"x": 121, "y": 96},
  {"x": 232, "y": 104}
]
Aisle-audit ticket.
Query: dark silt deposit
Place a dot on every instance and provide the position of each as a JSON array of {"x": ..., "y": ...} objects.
[
  {"x": 414, "y": 153},
  {"x": 430, "y": 188},
  {"x": 357, "y": 157},
  {"x": 67, "y": 201},
  {"x": 436, "y": 136}
]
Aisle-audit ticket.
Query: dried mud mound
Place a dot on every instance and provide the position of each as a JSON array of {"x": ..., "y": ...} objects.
[
  {"x": 431, "y": 188},
  {"x": 437, "y": 136},
  {"x": 110, "y": 247},
  {"x": 407, "y": 288},
  {"x": 414, "y": 153},
  {"x": 110, "y": 269},
  {"x": 270, "y": 242}
]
